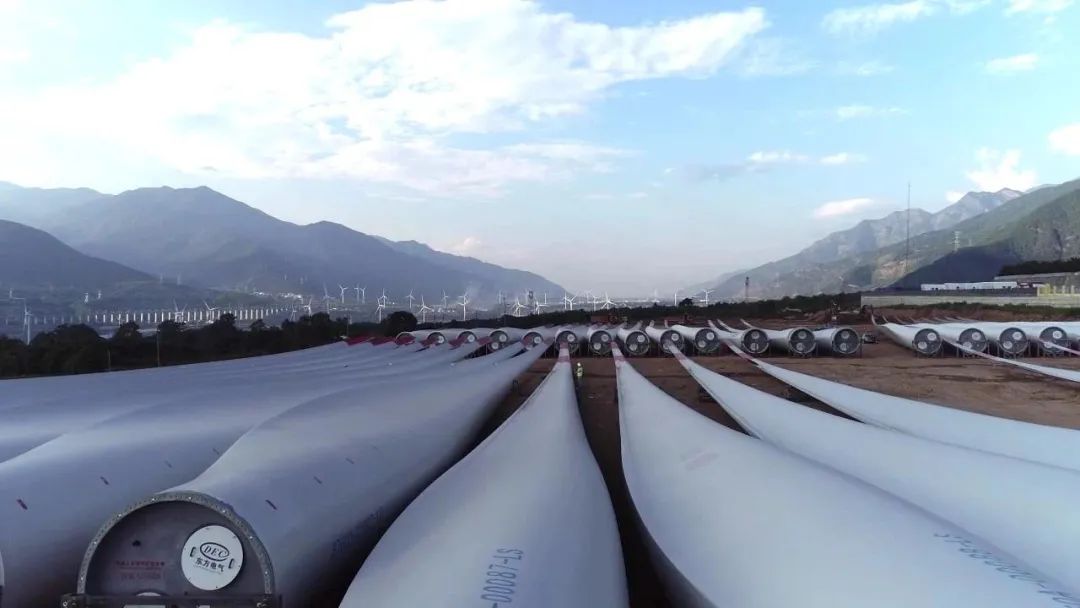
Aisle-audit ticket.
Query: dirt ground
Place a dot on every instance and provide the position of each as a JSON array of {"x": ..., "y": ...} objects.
[{"x": 965, "y": 383}]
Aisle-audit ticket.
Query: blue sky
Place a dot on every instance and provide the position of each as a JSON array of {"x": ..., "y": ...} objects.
[{"x": 620, "y": 146}]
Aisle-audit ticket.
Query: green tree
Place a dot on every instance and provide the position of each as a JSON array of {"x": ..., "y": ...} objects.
[{"x": 398, "y": 322}]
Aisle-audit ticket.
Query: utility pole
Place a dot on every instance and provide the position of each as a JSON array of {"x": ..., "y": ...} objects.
[{"x": 907, "y": 239}]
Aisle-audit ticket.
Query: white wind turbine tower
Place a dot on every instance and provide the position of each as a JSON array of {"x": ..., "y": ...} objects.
[
  {"x": 538, "y": 306},
  {"x": 210, "y": 311},
  {"x": 26, "y": 314},
  {"x": 411, "y": 299},
  {"x": 568, "y": 301},
  {"x": 517, "y": 306},
  {"x": 178, "y": 314},
  {"x": 307, "y": 306},
  {"x": 607, "y": 304},
  {"x": 707, "y": 292},
  {"x": 326, "y": 298},
  {"x": 655, "y": 297},
  {"x": 464, "y": 306},
  {"x": 361, "y": 294},
  {"x": 424, "y": 309},
  {"x": 343, "y": 290},
  {"x": 380, "y": 308}
]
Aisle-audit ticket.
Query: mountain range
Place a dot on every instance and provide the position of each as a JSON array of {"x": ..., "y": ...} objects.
[
  {"x": 31, "y": 258},
  {"x": 202, "y": 237},
  {"x": 1043, "y": 225},
  {"x": 863, "y": 256}
]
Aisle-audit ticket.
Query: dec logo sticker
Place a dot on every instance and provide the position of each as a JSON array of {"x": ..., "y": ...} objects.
[{"x": 212, "y": 558}]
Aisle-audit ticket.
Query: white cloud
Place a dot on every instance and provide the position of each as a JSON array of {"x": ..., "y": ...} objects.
[
  {"x": 1037, "y": 6},
  {"x": 1066, "y": 139},
  {"x": 842, "y": 158},
  {"x": 776, "y": 157},
  {"x": 638, "y": 195},
  {"x": 863, "y": 111},
  {"x": 765, "y": 161},
  {"x": 468, "y": 246},
  {"x": 1011, "y": 65},
  {"x": 1000, "y": 169},
  {"x": 377, "y": 99},
  {"x": 773, "y": 57},
  {"x": 872, "y": 18},
  {"x": 865, "y": 68},
  {"x": 844, "y": 207},
  {"x": 954, "y": 195}
]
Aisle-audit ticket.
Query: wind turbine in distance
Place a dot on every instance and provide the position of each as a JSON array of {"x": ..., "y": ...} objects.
[
  {"x": 517, "y": 306},
  {"x": 607, "y": 304},
  {"x": 411, "y": 299},
  {"x": 655, "y": 297},
  {"x": 210, "y": 311},
  {"x": 343, "y": 290},
  {"x": 361, "y": 294},
  {"x": 381, "y": 307},
  {"x": 464, "y": 306},
  {"x": 538, "y": 306},
  {"x": 178, "y": 314},
  {"x": 424, "y": 309},
  {"x": 568, "y": 301},
  {"x": 707, "y": 292},
  {"x": 326, "y": 298}
]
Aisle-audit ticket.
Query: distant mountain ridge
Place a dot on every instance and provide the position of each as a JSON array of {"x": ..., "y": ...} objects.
[
  {"x": 206, "y": 238},
  {"x": 1048, "y": 231},
  {"x": 33, "y": 259},
  {"x": 796, "y": 274},
  {"x": 887, "y": 265}
]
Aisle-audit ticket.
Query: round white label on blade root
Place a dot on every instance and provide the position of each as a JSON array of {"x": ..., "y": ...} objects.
[{"x": 212, "y": 558}]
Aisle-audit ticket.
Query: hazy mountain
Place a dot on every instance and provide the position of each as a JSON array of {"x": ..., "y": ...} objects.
[
  {"x": 30, "y": 258},
  {"x": 33, "y": 206},
  {"x": 805, "y": 272},
  {"x": 888, "y": 265},
  {"x": 970, "y": 205},
  {"x": 491, "y": 273},
  {"x": 209, "y": 239}
]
